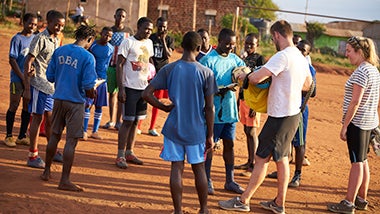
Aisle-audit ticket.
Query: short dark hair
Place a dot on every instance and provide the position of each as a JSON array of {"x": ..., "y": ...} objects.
[
  {"x": 252, "y": 35},
  {"x": 282, "y": 27},
  {"x": 120, "y": 10},
  {"x": 83, "y": 32},
  {"x": 142, "y": 20},
  {"x": 107, "y": 29},
  {"x": 53, "y": 15},
  {"x": 27, "y": 16},
  {"x": 161, "y": 19},
  {"x": 202, "y": 30},
  {"x": 225, "y": 33},
  {"x": 191, "y": 41}
]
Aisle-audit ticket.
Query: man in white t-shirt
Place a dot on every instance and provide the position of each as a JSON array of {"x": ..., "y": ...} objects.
[
  {"x": 290, "y": 75},
  {"x": 132, "y": 70}
]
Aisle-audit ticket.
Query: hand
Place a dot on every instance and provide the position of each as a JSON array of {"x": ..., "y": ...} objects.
[
  {"x": 26, "y": 95},
  {"x": 121, "y": 96},
  {"x": 252, "y": 113},
  {"x": 91, "y": 93},
  {"x": 242, "y": 76},
  {"x": 169, "y": 107},
  {"x": 343, "y": 133},
  {"x": 209, "y": 144},
  {"x": 32, "y": 71}
]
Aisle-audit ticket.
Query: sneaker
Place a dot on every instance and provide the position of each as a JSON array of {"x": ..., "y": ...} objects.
[
  {"x": 153, "y": 132},
  {"x": 36, "y": 163},
  {"x": 121, "y": 163},
  {"x": 217, "y": 146},
  {"x": 234, "y": 204},
  {"x": 58, "y": 157},
  {"x": 234, "y": 187},
  {"x": 108, "y": 125},
  {"x": 23, "y": 141},
  {"x": 242, "y": 166},
  {"x": 10, "y": 142},
  {"x": 272, "y": 206},
  {"x": 118, "y": 125},
  {"x": 210, "y": 187},
  {"x": 296, "y": 180},
  {"x": 272, "y": 175},
  {"x": 305, "y": 162},
  {"x": 343, "y": 207},
  {"x": 138, "y": 131},
  {"x": 96, "y": 135},
  {"x": 133, "y": 159},
  {"x": 85, "y": 136},
  {"x": 361, "y": 204}
]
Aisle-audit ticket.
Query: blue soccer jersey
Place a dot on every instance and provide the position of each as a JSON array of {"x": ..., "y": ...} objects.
[
  {"x": 19, "y": 49},
  {"x": 102, "y": 54},
  {"x": 72, "y": 69}
]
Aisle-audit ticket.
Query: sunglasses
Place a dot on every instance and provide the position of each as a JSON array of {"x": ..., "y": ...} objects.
[{"x": 354, "y": 40}]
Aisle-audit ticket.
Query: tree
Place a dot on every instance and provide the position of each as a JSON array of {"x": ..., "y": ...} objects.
[
  {"x": 259, "y": 13},
  {"x": 243, "y": 24},
  {"x": 314, "y": 31}
]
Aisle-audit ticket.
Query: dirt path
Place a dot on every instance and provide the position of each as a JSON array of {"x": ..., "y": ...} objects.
[{"x": 144, "y": 189}]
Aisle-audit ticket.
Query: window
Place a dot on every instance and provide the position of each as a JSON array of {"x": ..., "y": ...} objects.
[
  {"x": 163, "y": 10},
  {"x": 210, "y": 17}
]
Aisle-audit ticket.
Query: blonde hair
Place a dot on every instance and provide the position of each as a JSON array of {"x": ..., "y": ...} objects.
[{"x": 367, "y": 47}]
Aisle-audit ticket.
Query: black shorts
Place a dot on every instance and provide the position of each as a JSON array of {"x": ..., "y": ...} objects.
[
  {"x": 135, "y": 106},
  {"x": 276, "y": 136},
  {"x": 357, "y": 143},
  {"x": 70, "y": 115}
]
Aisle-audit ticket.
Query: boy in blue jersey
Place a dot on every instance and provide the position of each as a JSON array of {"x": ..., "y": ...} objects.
[
  {"x": 222, "y": 61},
  {"x": 120, "y": 32},
  {"x": 37, "y": 88},
  {"x": 72, "y": 70},
  {"x": 102, "y": 51},
  {"x": 188, "y": 129},
  {"x": 19, "y": 48}
]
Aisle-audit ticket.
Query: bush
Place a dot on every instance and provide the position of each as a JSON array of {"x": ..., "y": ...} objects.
[{"x": 328, "y": 51}]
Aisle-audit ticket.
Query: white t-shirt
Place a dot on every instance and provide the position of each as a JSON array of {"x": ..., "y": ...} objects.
[
  {"x": 79, "y": 11},
  {"x": 136, "y": 69},
  {"x": 289, "y": 70}
]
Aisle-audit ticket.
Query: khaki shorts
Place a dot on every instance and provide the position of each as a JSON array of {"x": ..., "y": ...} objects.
[
  {"x": 70, "y": 115},
  {"x": 16, "y": 88},
  {"x": 111, "y": 80}
]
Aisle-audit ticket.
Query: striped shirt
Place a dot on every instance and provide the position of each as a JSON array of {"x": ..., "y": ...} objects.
[{"x": 366, "y": 76}]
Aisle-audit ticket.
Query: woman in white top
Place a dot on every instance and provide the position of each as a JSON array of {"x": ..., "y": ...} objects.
[{"x": 360, "y": 116}]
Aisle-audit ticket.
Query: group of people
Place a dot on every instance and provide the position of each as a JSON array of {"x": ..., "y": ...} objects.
[{"x": 63, "y": 83}]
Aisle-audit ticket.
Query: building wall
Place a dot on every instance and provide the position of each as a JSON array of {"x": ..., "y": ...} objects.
[
  {"x": 106, "y": 9},
  {"x": 180, "y": 13}
]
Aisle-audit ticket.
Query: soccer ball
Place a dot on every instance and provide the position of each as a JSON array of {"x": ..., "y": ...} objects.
[{"x": 237, "y": 71}]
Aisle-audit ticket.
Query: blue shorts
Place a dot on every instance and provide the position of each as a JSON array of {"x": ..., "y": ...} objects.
[
  {"x": 224, "y": 131},
  {"x": 176, "y": 152},
  {"x": 40, "y": 102},
  {"x": 101, "y": 97}
]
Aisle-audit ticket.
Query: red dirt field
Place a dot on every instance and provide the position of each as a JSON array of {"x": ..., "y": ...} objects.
[{"x": 145, "y": 189}]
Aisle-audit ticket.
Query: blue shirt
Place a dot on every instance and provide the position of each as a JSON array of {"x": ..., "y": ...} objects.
[
  {"x": 188, "y": 83},
  {"x": 19, "y": 49},
  {"x": 225, "y": 107},
  {"x": 72, "y": 69},
  {"x": 102, "y": 54}
]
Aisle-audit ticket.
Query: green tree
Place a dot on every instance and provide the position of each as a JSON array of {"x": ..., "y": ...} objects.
[
  {"x": 259, "y": 13},
  {"x": 314, "y": 31},
  {"x": 243, "y": 24}
]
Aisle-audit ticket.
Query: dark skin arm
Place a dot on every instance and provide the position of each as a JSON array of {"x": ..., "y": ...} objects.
[
  {"x": 210, "y": 114},
  {"x": 16, "y": 68},
  {"x": 168, "y": 50},
  {"x": 151, "y": 99},
  {"x": 28, "y": 72},
  {"x": 119, "y": 77}
]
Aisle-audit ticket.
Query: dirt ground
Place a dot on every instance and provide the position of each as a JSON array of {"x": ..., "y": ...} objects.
[{"x": 145, "y": 189}]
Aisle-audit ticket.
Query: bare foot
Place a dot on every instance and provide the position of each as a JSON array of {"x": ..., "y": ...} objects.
[
  {"x": 45, "y": 176},
  {"x": 70, "y": 187}
]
